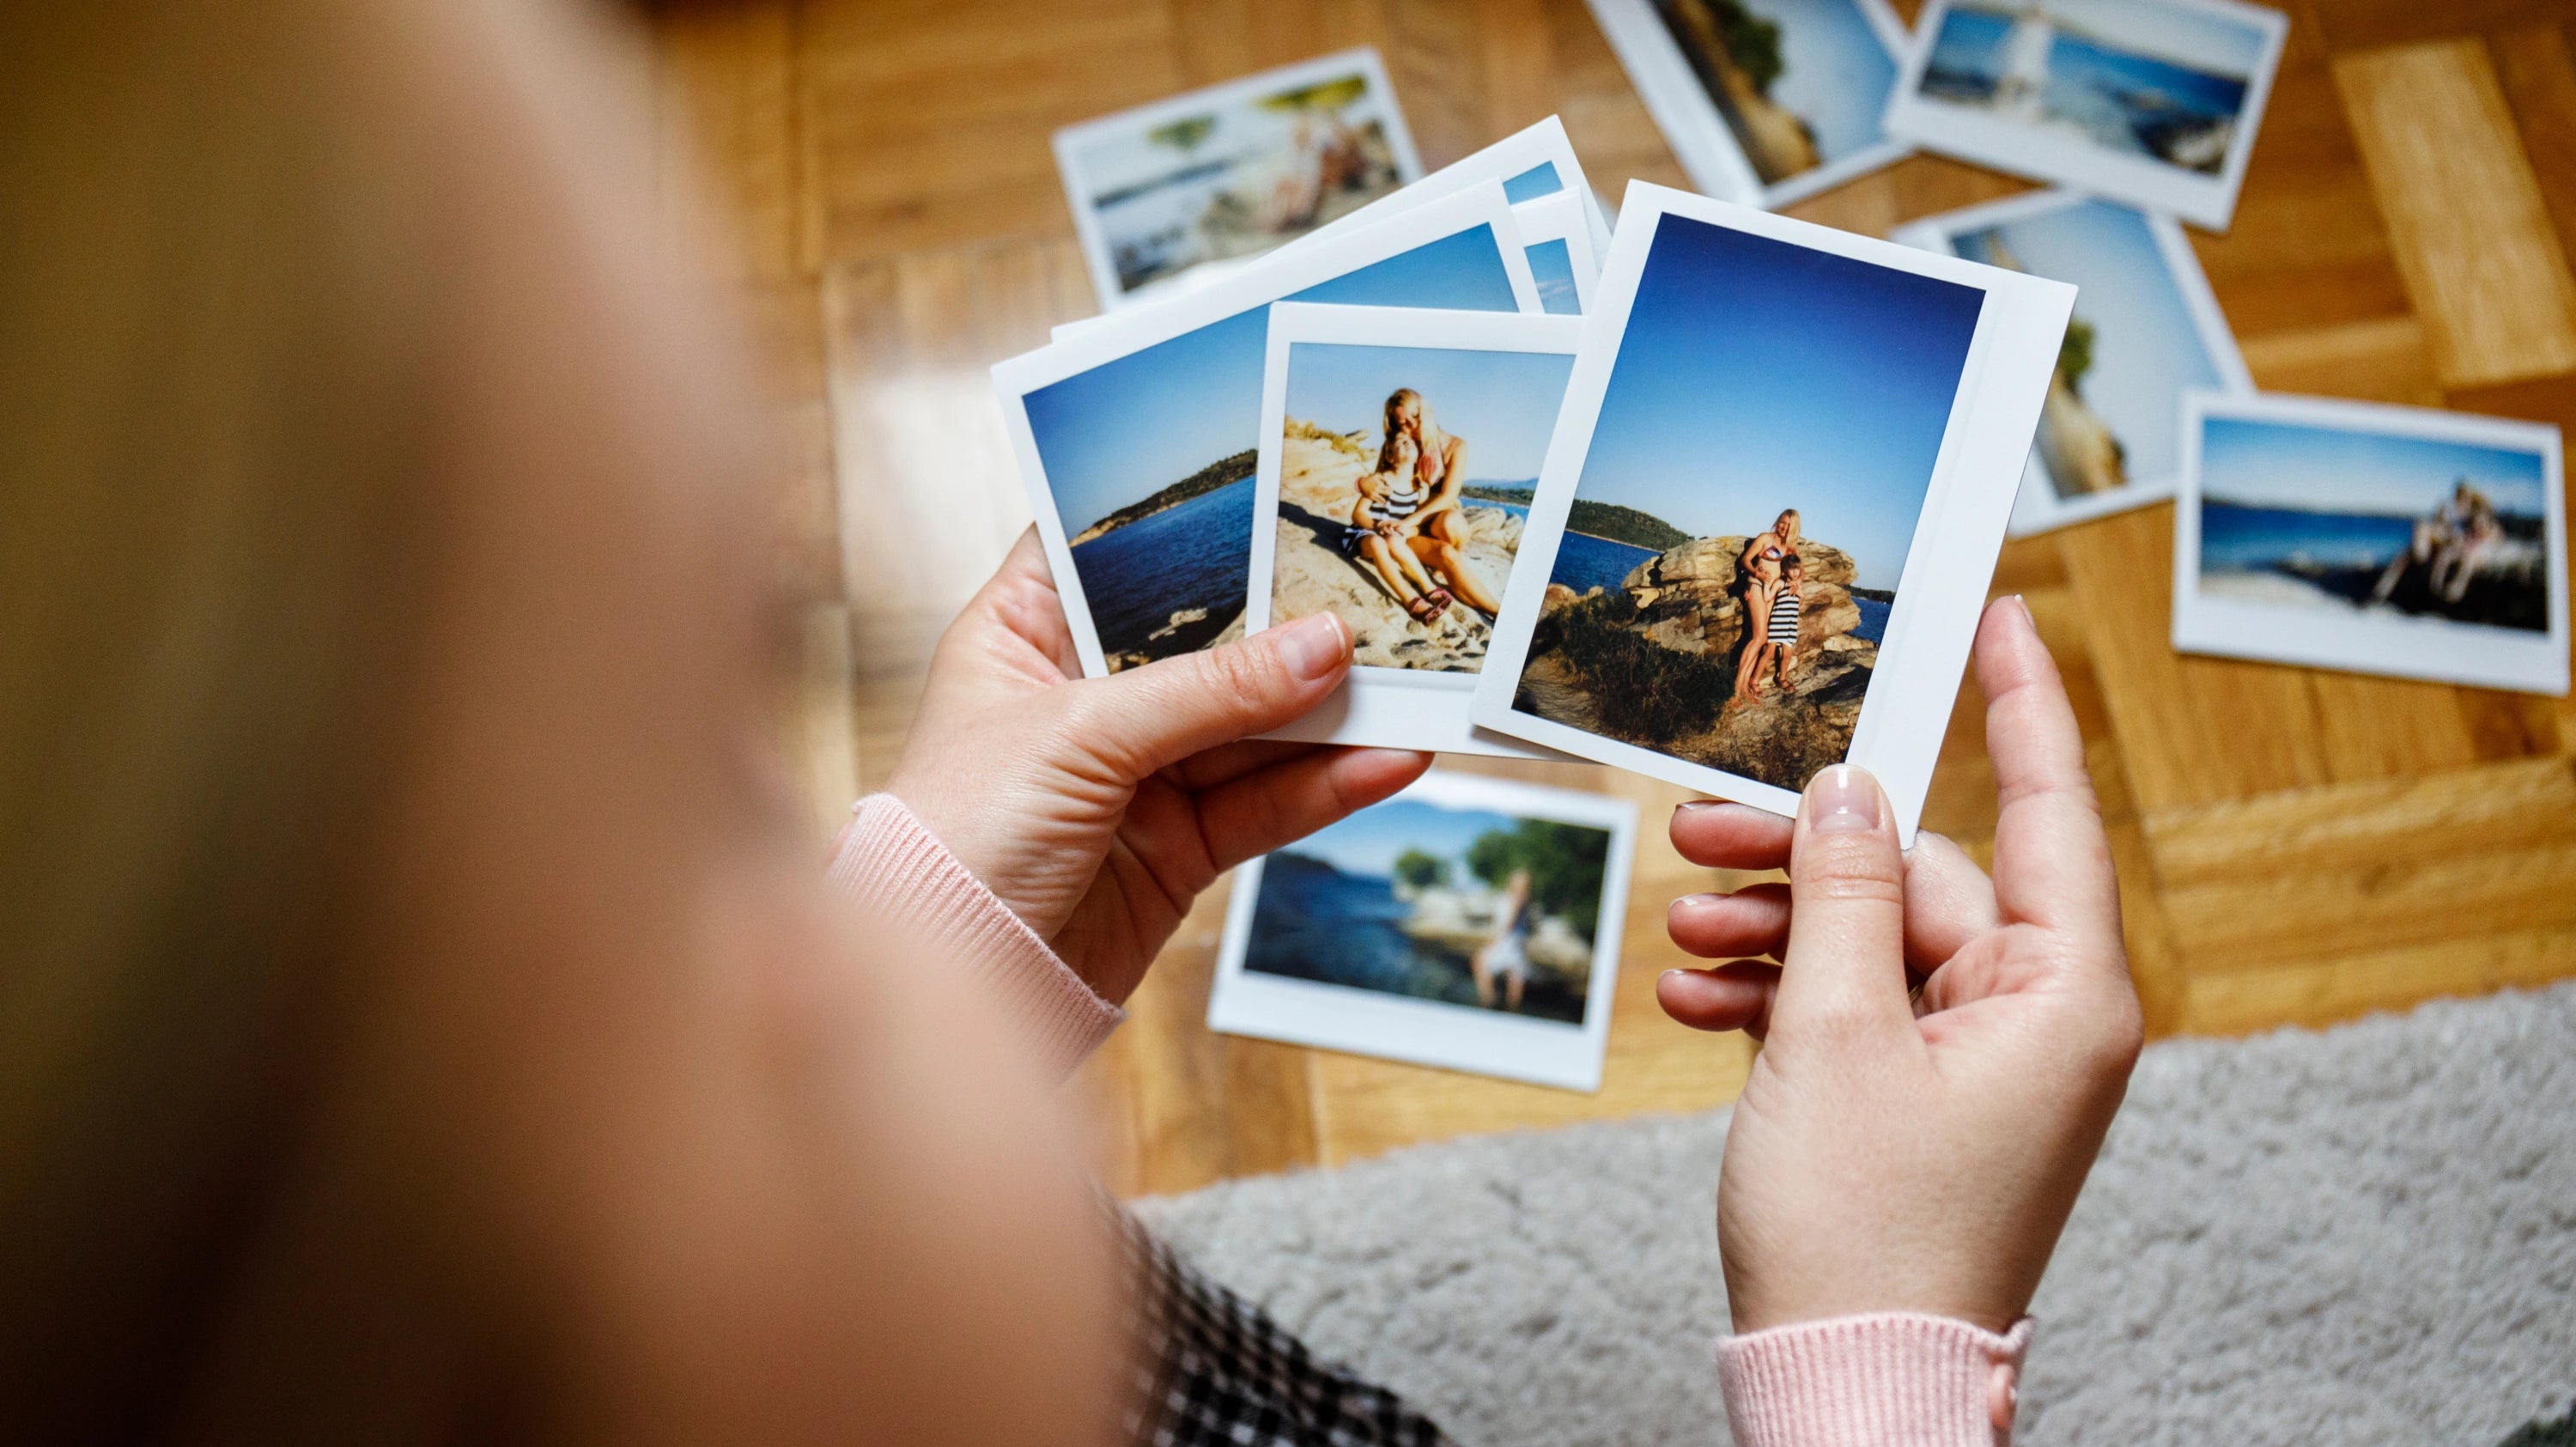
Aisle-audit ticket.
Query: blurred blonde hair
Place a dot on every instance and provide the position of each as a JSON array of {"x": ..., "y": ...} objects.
[{"x": 216, "y": 330}]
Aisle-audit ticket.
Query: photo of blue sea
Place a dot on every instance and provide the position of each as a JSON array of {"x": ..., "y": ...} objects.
[
  {"x": 1757, "y": 375},
  {"x": 1149, "y": 457},
  {"x": 2132, "y": 76},
  {"x": 2145, "y": 350},
  {"x": 2310, "y": 515}
]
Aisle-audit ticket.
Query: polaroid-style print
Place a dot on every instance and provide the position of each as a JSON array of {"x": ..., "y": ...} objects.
[
  {"x": 2146, "y": 331},
  {"x": 1561, "y": 258},
  {"x": 1764, "y": 102},
  {"x": 2396, "y": 540},
  {"x": 1534, "y": 164},
  {"x": 1469, "y": 923},
  {"x": 1773, "y": 501},
  {"x": 2152, "y": 102},
  {"x": 1137, "y": 439},
  {"x": 1399, "y": 452},
  {"x": 1227, "y": 173}
]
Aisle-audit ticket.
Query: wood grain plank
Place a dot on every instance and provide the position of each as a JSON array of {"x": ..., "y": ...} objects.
[
  {"x": 2471, "y": 233},
  {"x": 2368, "y": 24},
  {"x": 2325, "y": 993},
  {"x": 2349, "y": 827},
  {"x": 728, "y": 114},
  {"x": 2410, "y": 897},
  {"x": 2384, "y": 359},
  {"x": 2537, "y": 70}
]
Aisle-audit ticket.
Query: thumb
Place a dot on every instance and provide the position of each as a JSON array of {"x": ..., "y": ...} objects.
[
  {"x": 1843, "y": 974},
  {"x": 1155, "y": 716}
]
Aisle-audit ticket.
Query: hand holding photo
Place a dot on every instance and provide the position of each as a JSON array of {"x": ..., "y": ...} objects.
[
  {"x": 2146, "y": 330},
  {"x": 1226, "y": 173},
  {"x": 2397, "y": 540},
  {"x": 1765, "y": 102},
  {"x": 1399, "y": 452},
  {"x": 1771, "y": 505},
  {"x": 2152, "y": 102},
  {"x": 1467, "y": 922},
  {"x": 1137, "y": 438}
]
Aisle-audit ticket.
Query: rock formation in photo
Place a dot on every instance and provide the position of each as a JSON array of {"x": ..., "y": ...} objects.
[{"x": 1736, "y": 55}]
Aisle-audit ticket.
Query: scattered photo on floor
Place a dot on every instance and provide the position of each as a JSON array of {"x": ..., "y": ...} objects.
[
  {"x": 1399, "y": 453},
  {"x": 1227, "y": 173},
  {"x": 2394, "y": 540},
  {"x": 2153, "y": 102},
  {"x": 1763, "y": 101},
  {"x": 1137, "y": 438},
  {"x": 1467, "y": 922},
  {"x": 2146, "y": 330},
  {"x": 1777, "y": 474}
]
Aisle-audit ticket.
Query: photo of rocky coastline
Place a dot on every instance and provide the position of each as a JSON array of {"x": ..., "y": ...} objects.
[{"x": 1799, "y": 83}]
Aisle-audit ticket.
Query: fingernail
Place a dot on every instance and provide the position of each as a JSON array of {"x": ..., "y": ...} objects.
[
  {"x": 1697, "y": 804},
  {"x": 1842, "y": 800},
  {"x": 2023, "y": 604},
  {"x": 1313, "y": 647}
]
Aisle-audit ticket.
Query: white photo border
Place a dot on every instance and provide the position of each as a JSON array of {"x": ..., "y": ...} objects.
[
  {"x": 1698, "y": 134},
  {"x": 1427, "y": 1032},
  {"x": 1393, "y": 708},
  {"x": 1069, "y": 141},
  {"x": 2434, "y": 649},
  {"x": 2143, "y": 182},
  {"x": 1942, "y": 590},
  {"x": 1562, "y": 218},
  {"x": 1280, "y": 274},
  {"x": 2038, "y": 508}
]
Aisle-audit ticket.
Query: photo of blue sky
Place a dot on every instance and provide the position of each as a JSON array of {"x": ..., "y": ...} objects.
[
  {"x": 2146, "y": 353},
  {"x": 1126, "y": 429},
  {"x": 1369, "y": 841},
  {"x": 1834, "y": 74},
  {"x": 1539, "y": 180},
  {"x": 2260, "y": 463},
  {"x": 2211, "y": 43},
  {"x": 1552, "y": 267},
  {"x": 1756, "y": 375},
  {"x": 1503, "y": 404}
]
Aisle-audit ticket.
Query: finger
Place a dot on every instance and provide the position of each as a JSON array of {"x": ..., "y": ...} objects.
[
  {"x": 1753, "y": 920},
  {"x": 1845, "y": 975},
  {"x": 1021, "y": 593},
  {"x": 1149, "y": 718},
  {"x": 1233, "y": 761},
  {"x": 1730, "y": 997},
  {"x": 1948, "y": 901},
  {"x": 1288, "y": 801},
  {"x": 1731, "y": 836},
  {"x": 2052, "y": 862}
]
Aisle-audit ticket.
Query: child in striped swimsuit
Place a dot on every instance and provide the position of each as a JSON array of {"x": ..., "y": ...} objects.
[{"x": 1782, "y": 635}]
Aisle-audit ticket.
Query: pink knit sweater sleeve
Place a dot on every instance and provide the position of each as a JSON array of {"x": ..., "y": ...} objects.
[
  {"x": 898, "y": 871},
  {"x": 1891, "y": 1379}
]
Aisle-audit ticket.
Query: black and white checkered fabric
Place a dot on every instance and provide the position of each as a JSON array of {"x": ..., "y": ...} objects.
[{"x": 1212, "y": 1370}]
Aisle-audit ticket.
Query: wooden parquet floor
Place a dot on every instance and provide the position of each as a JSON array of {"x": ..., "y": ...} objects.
[{"x": 2295, "y": 846}]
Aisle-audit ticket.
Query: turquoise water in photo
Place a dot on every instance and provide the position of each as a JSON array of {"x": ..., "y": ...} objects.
[{"x": 2250, "y": 539}]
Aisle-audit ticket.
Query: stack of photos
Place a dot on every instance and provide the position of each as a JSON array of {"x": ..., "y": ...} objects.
[
  {"x": 2392, "y": 540},
  {"x": 1760, "y": 541},
  {"x": 1764, "y": 101},
  {"x": 2153, "y": 102},
  {"x": 1399, "y": 454},
  {"x": 1561, "y": 258},
  {"x": 1467, "y": 922},
  {"x": 1232, "y": 171},
  {"x": 2146, "y": 331}
]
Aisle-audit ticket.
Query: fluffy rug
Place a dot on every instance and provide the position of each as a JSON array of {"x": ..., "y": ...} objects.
[{"x": 2366, "y": 1235}]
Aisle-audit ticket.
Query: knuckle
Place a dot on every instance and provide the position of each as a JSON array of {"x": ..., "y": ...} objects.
[
  {"x": 1849, "y": 867},
  {"x": 1241, "y": 673}
]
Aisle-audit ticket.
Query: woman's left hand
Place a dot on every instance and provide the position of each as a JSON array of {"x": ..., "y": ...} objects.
[{"x": 1097, "y": 809}]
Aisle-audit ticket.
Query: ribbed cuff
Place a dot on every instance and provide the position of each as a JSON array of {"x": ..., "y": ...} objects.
[
  {"x": 1889, "y": 1379},
  {"x": 894, "y": 867}
]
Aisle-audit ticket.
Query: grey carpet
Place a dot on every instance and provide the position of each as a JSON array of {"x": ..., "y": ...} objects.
[{"x": 2366, "y": 1235}]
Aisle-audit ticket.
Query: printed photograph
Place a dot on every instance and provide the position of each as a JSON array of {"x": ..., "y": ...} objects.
[
  {"x": 2136, "y": 345},
  {"x": 1405, "y": 479},
  {"x": 1800, "y": 83},
  {"x": 1238, "y": 170},
  {"x": 1148, "y": 458},
  {"x": 2360, "y": 524},
  {"x": 2155, "y": 80},
  {"x": 1764, "y": 446},
  {"x": 1440, "y": 902}
]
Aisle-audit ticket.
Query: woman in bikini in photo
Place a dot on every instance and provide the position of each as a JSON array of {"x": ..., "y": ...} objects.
[
  {"x": 1408, "y": 525},
  {"x": 1762, "y": 564}
]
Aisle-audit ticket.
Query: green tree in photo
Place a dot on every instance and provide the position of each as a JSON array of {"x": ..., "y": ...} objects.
[
  {"x": 2075, "y": 354},
  {"x": 1183, "y": 134},
  {"x": 1752, "y": 42},
  {"x": 1566, "y": 863},
  {"x": 1417, "y": 869}
]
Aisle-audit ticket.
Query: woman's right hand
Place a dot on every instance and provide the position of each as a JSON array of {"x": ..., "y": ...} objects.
[{"x": 1896, "y": 1154}]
